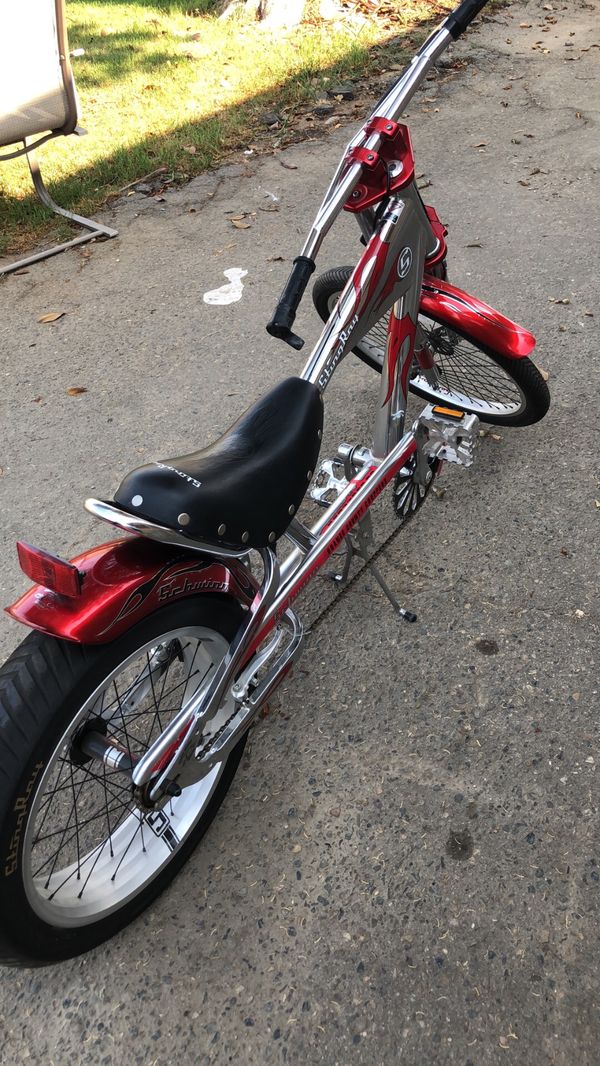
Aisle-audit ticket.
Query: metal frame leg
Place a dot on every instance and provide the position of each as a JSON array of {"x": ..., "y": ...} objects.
[{"x": 96, "y": 229}]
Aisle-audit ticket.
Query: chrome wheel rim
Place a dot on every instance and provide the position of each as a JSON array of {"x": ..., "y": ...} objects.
[
  {"x": 466, "y": 376},
  {"x": 88, "y": 849}
]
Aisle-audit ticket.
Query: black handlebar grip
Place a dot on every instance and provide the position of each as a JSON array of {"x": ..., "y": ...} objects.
[
  {"x": 458, "y": 21},
  {"x": 281, "y": 324}
]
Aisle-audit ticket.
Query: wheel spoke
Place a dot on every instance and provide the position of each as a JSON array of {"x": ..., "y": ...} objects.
[{"x": 89, "y": 845}]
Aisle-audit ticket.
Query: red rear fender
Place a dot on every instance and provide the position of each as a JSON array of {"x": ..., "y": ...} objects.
[
  {"x": 122, "y": 583},
  {"x": 469, "y": 315}
]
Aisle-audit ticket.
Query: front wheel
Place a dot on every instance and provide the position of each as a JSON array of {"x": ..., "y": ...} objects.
[
  {"x": 79, "y": 859},
  {"x": 478, "y": 380}
]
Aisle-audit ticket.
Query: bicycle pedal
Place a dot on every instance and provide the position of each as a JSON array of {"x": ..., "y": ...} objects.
[
  {"x": 329, "y": 482},
  {"x": 451, "y": 434}
]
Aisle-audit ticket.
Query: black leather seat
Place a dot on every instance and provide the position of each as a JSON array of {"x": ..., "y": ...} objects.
[{"x": 244, "y": 489}]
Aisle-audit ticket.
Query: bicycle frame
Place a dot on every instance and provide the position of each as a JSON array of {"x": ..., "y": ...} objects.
[
  {"x": 403, "y": 239},
  {"x": 388, "y": 275}
]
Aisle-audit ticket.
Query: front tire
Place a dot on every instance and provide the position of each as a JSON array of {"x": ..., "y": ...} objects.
[
  {"x": 78, "y": 859},
  {"x": 478, "y": 380}
]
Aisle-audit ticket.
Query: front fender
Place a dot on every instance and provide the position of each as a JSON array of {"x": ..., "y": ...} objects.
[
  {"x": 123, "y": 581},
  {"x": 467, "y": 314}
]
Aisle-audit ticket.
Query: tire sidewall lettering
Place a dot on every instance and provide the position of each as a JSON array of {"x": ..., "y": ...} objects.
[{"x": 20, "y": 809}]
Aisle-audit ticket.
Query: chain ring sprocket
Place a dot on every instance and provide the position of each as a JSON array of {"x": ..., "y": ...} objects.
[{"x": 409, "y": 494}]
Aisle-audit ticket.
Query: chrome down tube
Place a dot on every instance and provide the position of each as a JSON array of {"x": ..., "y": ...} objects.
[
  {"x": 335, "y": 523},
  {"x": 205, "y": 703}
]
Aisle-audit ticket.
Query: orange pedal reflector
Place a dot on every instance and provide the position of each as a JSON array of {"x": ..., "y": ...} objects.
[{"x": 448, "y": 412}]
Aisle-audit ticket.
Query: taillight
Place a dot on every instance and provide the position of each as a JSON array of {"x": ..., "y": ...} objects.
[{"x": 48, "y": 570}]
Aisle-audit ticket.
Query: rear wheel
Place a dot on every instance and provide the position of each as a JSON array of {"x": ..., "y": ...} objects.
[
  {"x": 79, "y": 859},
  {"x": 500, "y": 391}
]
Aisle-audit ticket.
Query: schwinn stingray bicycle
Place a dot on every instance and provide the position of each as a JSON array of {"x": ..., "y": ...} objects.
[{"x": 124, "y": 716}]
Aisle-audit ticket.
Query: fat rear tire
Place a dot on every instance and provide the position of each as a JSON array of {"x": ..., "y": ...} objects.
[{"x": 43, "y": 685}]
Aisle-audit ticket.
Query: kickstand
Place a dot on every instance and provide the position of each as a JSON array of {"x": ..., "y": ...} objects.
[{"x": 358, "y": 543}]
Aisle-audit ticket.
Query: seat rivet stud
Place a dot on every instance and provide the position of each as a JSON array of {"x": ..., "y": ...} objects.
[
  {"x": 271, "y": 538},
  {"x": 309, "y": 475},
  {"x": 320, "y": 435},
  {"x": 291, "y": 509},
  {"x": 221, "y": 529},
  {"x": 183, "y": 519},
  {"x": 245, "y": 537},
  {"x": 137, "y": 501}
]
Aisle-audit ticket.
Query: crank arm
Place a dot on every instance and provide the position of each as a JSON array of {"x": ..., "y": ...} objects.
[
  {"x": 218, "y": 749},
  {"x": 185, "y": 731},
  {"x": 191, "y": 763}
]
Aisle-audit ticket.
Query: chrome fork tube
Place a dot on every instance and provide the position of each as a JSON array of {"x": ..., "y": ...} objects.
[{"x": 392, "y": 105}]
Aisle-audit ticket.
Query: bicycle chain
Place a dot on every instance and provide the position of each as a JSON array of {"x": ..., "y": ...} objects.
[{"x": 352, "y": 580}]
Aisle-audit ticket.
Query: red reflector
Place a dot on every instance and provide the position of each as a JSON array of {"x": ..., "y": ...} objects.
[{"x": 48, "y": 570}]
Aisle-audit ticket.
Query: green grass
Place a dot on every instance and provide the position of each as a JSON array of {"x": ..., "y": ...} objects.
[{"x": 149, "y": 91}]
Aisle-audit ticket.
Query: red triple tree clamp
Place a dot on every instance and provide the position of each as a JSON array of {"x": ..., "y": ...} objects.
[
  {"x": 383, "y": 126},
  {"x": 367, "y": 157}
]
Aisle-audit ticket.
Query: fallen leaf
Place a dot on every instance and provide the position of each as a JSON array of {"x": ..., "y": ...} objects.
[
  {"x": 269, "y": 207},
  {"x": 544, "y": 373},
  {"x": 288, "y": 166},
  {"x": 565, "y": 300},
  {"x": 590, "y": 314},
  {"x": 480, "y": 144},
  {"x": 523, "y": 182},
  {"x": 190, "y": 149},
  {"x": 474, "y": 244},
  {"x": 239, "y": 224},
  {"x": 76, "y": 390},
  {"x": 524, "y": 25},
  {"x": 52, "y": 316},
  {"x": 17, "y": 273},
  {"x": 38, "y": 399},
  {"x": 503, "y": 1042},
  {"x": 579, "y": 614},
  {"x": 275, "y": 259}
]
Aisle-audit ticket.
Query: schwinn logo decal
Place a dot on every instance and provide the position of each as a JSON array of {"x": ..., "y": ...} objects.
[
  {"x": 161, "y": 826},
  {"x": 180, "y": 473},
  {"x": 404, "y": 262}
]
